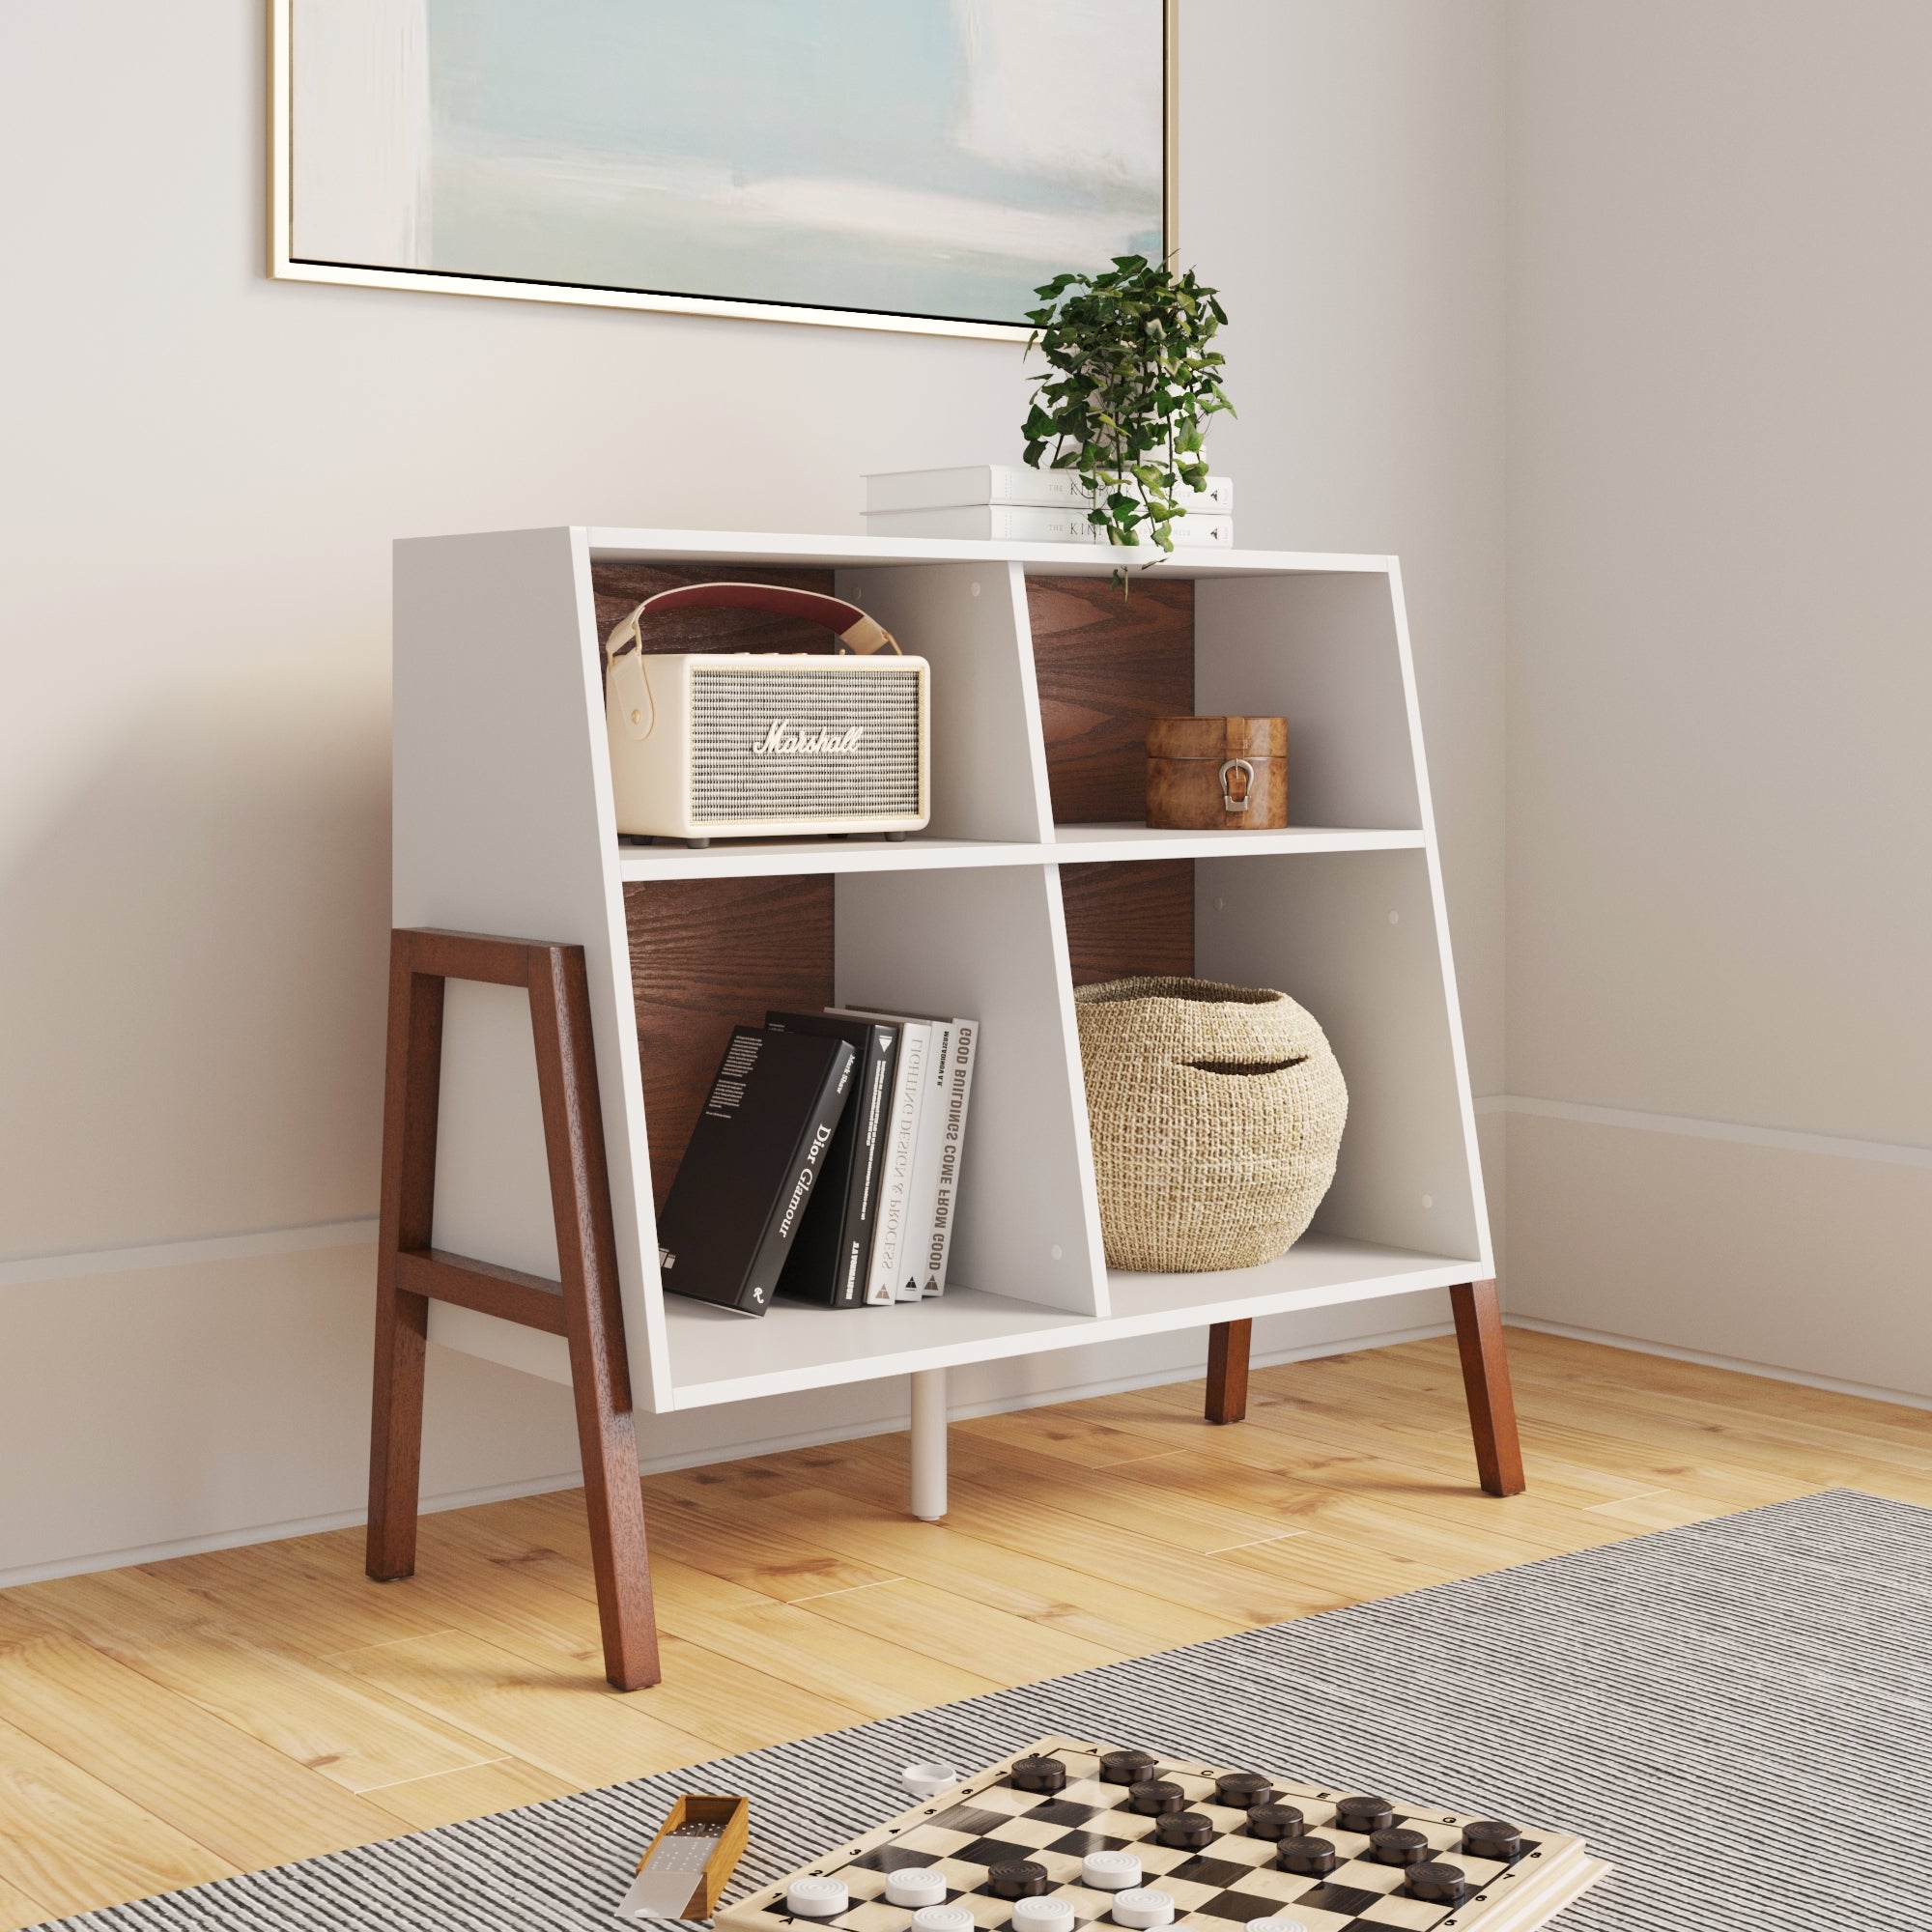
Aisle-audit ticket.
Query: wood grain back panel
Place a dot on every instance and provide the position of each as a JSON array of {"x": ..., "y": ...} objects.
[
  {"x": 706, "y": 956},
  {"x": 620, "y": 584},
  {"x": 1129, "y": 918},
  {"x": 1106, "y": 665}
]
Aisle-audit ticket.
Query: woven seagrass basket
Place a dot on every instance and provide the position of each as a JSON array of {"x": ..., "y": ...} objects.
[{"x": 1216, "y": 1114}]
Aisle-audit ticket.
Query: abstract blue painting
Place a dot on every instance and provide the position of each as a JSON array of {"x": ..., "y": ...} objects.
[{"x": 909, "y": 158}]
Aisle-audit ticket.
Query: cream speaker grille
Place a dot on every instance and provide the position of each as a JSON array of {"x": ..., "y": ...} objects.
[
  {"x": 741, "y": 745},
  {"x": 804, "y": 744}
]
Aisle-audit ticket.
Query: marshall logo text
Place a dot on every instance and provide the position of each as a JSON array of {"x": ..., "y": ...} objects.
[{"x": 781, "y": 740}]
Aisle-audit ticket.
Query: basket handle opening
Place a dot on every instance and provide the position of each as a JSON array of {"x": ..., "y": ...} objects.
[{"x": 1246, "y": 1066}]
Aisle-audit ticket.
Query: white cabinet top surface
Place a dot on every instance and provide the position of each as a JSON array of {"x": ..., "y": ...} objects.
[{"x": 1077, "y": 559}]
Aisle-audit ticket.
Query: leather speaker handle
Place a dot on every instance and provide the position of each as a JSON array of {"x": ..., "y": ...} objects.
[{"x": 856, "y": 632}]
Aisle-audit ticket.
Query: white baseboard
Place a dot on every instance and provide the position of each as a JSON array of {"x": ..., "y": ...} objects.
[
  {"x": 23, "y": 1270},
  {"x": 1789, "y": 1139},
  {"x": 1899, "y": 1398},
  {"x": 267, "y": 1532},
  {"x": 18, "y": 1270},
  {"x": 276, "y": 1532}
]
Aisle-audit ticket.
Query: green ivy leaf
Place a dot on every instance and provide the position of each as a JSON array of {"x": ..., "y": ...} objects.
[{"x": 1131, "y": 380}]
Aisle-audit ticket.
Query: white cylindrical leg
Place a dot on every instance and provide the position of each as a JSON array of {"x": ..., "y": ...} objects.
[{"x": 929, "y": 1444}]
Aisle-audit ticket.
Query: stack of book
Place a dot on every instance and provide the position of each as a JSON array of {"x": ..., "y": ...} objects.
[
  {"x": 1008, "y": 503},
  {"x": 825, "y": 1165}
]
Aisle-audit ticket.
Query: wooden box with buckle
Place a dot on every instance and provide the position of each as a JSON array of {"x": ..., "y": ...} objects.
[{"x": 1210, "y": 774}]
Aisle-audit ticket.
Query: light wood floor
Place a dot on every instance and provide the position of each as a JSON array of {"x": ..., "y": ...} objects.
[{"x": 181, "y": 1720}]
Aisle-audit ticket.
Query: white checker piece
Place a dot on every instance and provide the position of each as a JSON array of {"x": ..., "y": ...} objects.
[{"x": 984, "y": 1821}]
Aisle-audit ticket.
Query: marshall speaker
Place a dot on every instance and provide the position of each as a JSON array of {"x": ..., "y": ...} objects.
[{"x": 707, "y": 745}]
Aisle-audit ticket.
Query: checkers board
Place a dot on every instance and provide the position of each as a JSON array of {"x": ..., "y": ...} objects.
[{"x": 985, "y": 1821}]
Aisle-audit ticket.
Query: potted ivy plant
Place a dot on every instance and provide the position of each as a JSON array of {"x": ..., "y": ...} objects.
[{"x": 1131, "y": 381}]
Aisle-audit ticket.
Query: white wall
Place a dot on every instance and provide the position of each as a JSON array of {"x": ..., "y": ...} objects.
[
  {"x": 203, "y": 470},
  {"x": 1719, "y": 822},
  {"x": 1342, "y": 183}
]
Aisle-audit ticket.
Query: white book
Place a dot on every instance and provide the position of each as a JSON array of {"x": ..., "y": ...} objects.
[
  {"x": 892, "y": 1229},
  {"x": 955, "y": 1047},
  {"x": 958, "y": 1085},
  {"x": 976, "y": 483},
  {"x": 1016, "y": 523},
  {"x": 915, "y": 1278},
  {"x": 921, "y": 1206}
]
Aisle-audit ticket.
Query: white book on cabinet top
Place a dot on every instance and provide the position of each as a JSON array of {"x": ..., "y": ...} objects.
[
  {"x": 986, "y": 483},
  {"x": 1023, "y": 522}
]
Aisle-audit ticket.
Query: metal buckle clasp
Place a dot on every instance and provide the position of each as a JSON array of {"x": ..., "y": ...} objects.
[{"x": 1228, "y": 799}]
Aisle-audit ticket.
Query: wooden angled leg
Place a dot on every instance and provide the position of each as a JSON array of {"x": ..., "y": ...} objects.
[
  {"x": 599, "y": 1371},
  {"x": 583, "y": 1306},
  {"x": 409, "y": 1097},
  {"x": 1228, "y": 1343},
  {"x": 1486, "y": 1379}
]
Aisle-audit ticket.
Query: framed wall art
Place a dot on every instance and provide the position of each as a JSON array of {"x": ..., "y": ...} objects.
[{"x": 909, "y": 164}]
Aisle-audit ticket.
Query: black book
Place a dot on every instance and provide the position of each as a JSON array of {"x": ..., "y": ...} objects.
[
  {"x": 740, "y": 1196},
  {"x": 829, "y": 1259}
]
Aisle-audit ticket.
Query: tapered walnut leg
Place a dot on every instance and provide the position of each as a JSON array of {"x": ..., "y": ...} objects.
[
  {"x": 396, "y": 1420},
  {"x": 600, "y": 1372},
  {"x": 1227, "y": 1345},
  {"x": 615, "y": 1502},
  {"x": 409, "y": 1096},
  {"x": 1486, "y": 1379}
]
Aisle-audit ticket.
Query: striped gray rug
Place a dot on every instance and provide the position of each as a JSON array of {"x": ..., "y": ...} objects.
[{"x": 1736, "y": 1715}]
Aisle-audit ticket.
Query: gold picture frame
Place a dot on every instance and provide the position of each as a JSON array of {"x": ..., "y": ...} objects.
[{"x": 287, "y": 264}]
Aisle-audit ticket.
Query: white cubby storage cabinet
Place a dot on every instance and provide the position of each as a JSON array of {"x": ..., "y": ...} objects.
[{"x": 1042, "y": 677}]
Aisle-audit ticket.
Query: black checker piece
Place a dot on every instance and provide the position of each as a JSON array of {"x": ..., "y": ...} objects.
[
  {"x": 894, "y": 1858},
  {"x": 1275, "y": 1822},
  {"x": 1018, "y": 1878},
  {"x": 1222, "y": 1873},
  {"x": 1363, "y": 1813},
  {"x": 970, "y": 1819},
  {"x": 1241, "y": 1905},
  {"x": 1344, "y": 1900},
  {"x": 1061, "y": 1811},
  {"x": 1077, "y": 1844}
]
